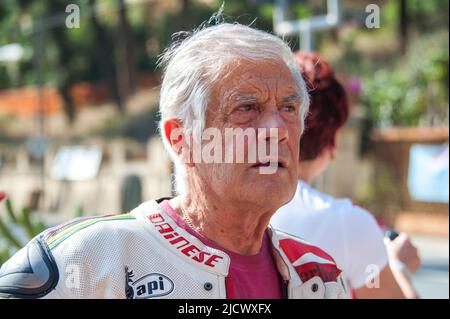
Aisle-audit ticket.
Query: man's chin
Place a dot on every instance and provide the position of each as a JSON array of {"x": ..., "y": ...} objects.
[{"x": 274, "y": 193}]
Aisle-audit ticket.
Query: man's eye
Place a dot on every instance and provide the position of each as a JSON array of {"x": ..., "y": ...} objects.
[
  {"x": 289, "y": 108},
  {"x": 246, "y": 108}
]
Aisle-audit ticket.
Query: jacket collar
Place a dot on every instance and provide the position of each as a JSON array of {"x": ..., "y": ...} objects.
[
  {"x": 284, "y": 266},
  {"x": 179, "y": 241},
  {"x": 195, "y": 252}
]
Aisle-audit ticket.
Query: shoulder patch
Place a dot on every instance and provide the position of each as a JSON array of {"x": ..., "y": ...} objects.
[
  {"x": 30, "y": 273},
  {"x": 310, "y": 261},
  {"x": 56, "y": 235}
]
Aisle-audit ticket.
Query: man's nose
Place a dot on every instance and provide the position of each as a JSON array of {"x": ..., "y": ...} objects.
[{"x": 273, "y": 127}]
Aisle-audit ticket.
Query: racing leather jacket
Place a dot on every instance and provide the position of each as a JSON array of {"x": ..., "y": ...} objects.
[{"x": 145, "y": 254}]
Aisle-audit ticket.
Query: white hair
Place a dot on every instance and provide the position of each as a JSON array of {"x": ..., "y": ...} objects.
[{"x": 191, "y": 67}]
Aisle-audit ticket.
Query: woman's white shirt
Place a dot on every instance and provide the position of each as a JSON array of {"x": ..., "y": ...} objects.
[{"x": 349, "y": 233}]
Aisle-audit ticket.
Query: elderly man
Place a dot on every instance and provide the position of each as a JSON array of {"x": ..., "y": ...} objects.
[{"x": 213, "y": 239}]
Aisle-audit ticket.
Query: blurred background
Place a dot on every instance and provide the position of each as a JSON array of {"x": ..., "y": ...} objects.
[{"x": 79, "y": 90}]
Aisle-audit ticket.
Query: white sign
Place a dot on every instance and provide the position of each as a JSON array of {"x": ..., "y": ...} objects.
[
  {"x": 76, "y": 163},
  {"x": 428, "y": 173}
]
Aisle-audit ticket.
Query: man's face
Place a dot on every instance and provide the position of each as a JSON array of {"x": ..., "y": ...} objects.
[{"x": 255, "y": 96}]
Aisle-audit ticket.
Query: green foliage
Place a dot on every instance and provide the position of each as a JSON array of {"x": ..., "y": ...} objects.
[
  {"x": 391, "y": 100},
  {"x": 303, "y": 11},
  {"x": 423, "y": 15},
  {"x": 414, "y": 91},
  {"x": 8, "y": 236},
  {"x": 389, "y": 14},
  {"x": 10, "y": 211},
  {"x": 427, "y": 14},
  {"x": 17, "y": 220},
  {"x": 265, "y": 11},
  {"x": 20, "y": 221},
  {"x": 78, "y": 46},
  {"x": 398, "y": 89}
]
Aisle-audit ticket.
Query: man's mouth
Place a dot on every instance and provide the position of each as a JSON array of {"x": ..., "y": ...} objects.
[{"x": 278, "y": 163}]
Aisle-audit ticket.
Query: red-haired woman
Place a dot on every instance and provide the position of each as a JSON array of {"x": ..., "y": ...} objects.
[{"x": 348, "y": 232}]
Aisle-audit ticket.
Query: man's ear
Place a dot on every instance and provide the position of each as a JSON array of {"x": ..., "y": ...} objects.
[{"x": 174, "y": 134}]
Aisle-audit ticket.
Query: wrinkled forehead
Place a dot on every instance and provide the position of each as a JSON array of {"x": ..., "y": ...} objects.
[{"x": 242, "y": 78}]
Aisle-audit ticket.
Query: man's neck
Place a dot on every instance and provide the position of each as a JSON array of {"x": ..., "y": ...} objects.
[{"x": 239, "y": 230}]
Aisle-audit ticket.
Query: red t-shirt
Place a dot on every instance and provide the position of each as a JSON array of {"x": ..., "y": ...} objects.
[{"x": 249, "y": 277}]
